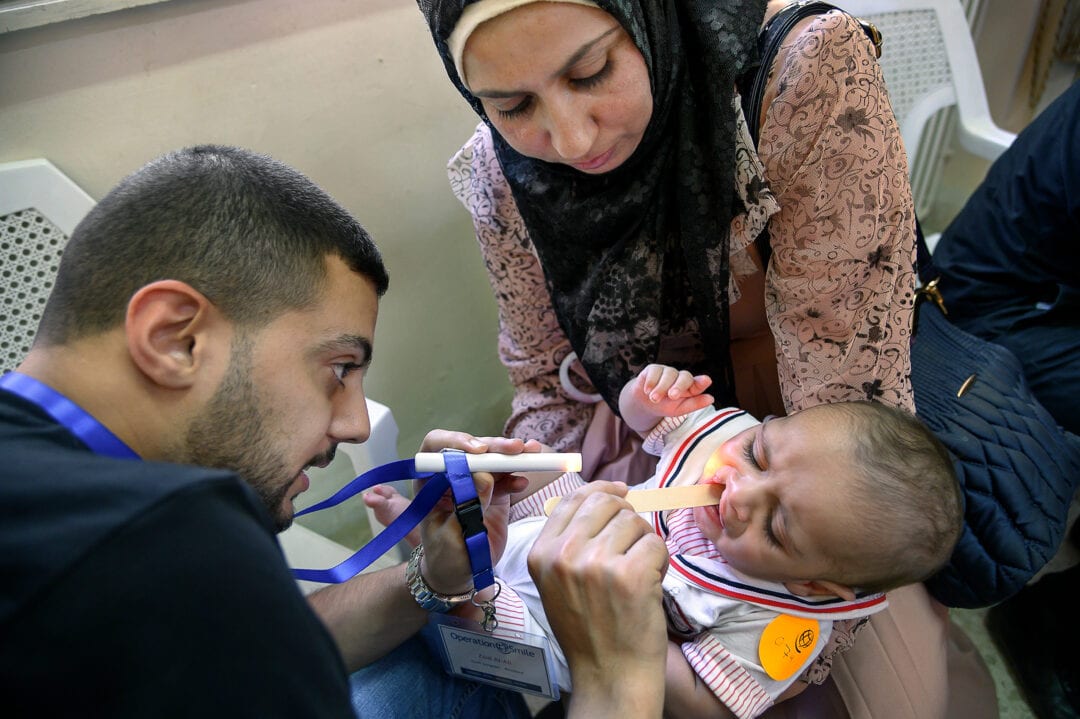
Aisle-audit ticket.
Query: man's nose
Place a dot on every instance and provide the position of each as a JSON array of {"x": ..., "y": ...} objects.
[{"x": 351, "y": 422}]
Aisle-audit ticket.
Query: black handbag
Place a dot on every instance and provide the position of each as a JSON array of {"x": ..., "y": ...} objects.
[{"x": 1018, "y": 469}]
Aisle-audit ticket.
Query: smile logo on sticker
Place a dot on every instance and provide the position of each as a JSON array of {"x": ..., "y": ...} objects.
[{"x": 786, "y": 644}]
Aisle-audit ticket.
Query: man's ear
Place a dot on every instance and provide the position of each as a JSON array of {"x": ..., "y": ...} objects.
[
  {"x": 166, "y": 327},
  {"x": 820, "y": 588}
]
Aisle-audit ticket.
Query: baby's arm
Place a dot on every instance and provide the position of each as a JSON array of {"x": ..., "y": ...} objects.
[
  {"x": 537, "y": 481},
  {"x": 686, "y": 696},
  {"x": 660, "y": 391}
]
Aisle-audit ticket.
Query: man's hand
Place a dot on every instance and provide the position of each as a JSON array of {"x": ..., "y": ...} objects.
[
  {"x": 598, "y": 567},
  {"x": 374, "y": 612}
]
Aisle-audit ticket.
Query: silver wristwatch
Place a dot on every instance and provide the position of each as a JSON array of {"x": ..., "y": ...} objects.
[{"x": 428, "y": 599}]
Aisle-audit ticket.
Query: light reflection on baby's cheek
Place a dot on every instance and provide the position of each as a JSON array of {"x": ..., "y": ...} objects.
[{"x": 713, "y": 465}]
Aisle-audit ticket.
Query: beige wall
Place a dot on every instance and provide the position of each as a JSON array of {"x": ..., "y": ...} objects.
[{"x": 351, "y": 92}]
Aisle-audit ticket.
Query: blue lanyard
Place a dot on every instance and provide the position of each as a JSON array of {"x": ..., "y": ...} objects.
[
  {"x": 457, "y": 478},
  {"x": 77, "y": 420}
]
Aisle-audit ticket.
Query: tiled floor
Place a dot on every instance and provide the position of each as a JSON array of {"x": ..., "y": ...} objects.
[{"x": 1011, "y": 703}]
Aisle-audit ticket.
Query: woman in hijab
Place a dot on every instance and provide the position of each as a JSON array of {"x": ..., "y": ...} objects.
[{"x": 627, "y": 216}]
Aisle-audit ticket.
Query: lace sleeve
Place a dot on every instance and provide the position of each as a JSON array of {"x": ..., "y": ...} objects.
[
  {"x": 531, "y": 343},
  {"x": 840, "y": 285}
]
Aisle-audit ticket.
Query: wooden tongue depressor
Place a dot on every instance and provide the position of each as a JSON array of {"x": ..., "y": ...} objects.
[{"x": 655, "y": 500}]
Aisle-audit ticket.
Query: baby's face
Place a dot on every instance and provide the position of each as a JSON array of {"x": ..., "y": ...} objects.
[{"x": 785, "y": 501}]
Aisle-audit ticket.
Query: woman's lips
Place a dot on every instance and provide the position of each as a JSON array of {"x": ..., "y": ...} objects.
[{"x": 595, "y": 162}]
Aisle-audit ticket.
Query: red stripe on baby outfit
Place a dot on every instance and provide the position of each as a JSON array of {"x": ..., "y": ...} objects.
[
  {"x": 510, "y": 609},
  {"x": 746, "y": 594}
]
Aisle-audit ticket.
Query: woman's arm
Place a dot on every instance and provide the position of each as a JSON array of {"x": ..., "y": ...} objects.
[
  {"x": 841, "y": 280},
  {"x": 531, "y": 343}
]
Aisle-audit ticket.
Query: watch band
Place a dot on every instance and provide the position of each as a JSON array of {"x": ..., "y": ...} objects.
[{"x": 428, "y": 599}]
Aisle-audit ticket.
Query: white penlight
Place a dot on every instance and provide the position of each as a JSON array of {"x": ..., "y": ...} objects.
[{"x": 492, "y": 462}]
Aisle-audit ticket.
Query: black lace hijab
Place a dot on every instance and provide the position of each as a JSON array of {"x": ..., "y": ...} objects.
[{"x": 641, "y": 252}]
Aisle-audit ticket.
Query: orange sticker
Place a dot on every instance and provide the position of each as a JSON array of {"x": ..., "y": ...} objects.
[{"x": 786, "y": 644}]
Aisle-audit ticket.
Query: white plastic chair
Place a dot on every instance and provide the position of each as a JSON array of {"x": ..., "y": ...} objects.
[
  {"x": 929, "y": 62},
  {"x": 38, "y": 184},
  {"x": 39, "y": 208}
]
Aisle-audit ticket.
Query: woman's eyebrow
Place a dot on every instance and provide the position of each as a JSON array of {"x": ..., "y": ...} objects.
[
  {"x": 573, "y": 60},
  {"x": 583, "y": 51}
]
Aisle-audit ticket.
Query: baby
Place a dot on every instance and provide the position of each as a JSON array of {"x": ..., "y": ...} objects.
[{"x": 820, "y": 513}]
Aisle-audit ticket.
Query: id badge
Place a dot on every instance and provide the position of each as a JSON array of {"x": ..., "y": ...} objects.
[{"x": 511, "y": 660}]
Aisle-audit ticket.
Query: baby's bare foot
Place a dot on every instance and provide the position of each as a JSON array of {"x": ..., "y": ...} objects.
[{"x": 387, "y": 504}]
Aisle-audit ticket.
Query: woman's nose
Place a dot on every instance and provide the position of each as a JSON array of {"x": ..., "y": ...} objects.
[{"x": 572, "y": 130}]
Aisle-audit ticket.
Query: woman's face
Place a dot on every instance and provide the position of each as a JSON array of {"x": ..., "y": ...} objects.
[{"x": 561, "y": 83}]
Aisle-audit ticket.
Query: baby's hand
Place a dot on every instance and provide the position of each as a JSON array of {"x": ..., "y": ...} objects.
[{"x": 670, "y": 392}]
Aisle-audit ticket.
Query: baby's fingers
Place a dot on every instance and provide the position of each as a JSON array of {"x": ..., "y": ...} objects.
[{"x": 683, "y": 384}]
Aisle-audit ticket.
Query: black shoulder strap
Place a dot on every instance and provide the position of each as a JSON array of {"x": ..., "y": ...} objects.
[
  {"x": 753, "y": 81},
  {"x": 752, "y": 84},
  {"x": 923, "y": 259}
]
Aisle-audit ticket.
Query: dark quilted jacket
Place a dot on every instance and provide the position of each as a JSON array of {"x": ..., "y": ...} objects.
[{"x": 1018, "y": 468}]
